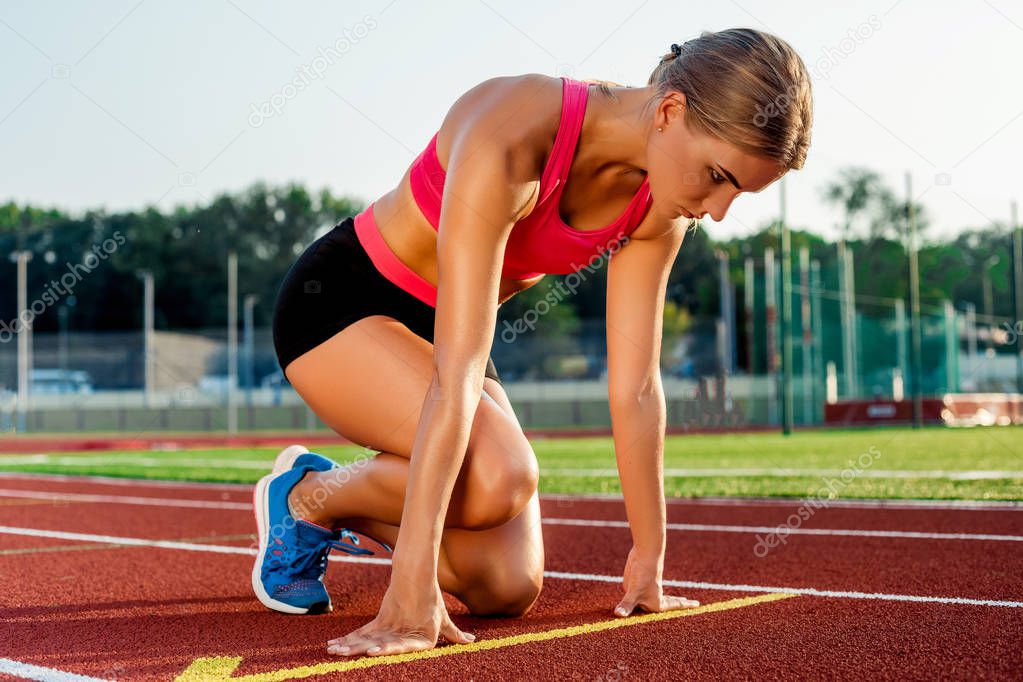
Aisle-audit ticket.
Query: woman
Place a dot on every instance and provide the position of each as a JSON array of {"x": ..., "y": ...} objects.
[{"x": 384, "y": 325}]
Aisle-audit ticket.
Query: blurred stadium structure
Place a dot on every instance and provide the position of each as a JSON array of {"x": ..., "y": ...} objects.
[
  {"x": 718, "y": 374},
  {"x": 850, "y": 355}
]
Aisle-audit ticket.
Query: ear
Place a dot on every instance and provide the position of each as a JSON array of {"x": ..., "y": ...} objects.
[{"x": 672, "y": 107}]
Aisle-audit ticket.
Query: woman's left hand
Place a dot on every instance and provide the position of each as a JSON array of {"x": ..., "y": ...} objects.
[{"x": 642, "y": 586}]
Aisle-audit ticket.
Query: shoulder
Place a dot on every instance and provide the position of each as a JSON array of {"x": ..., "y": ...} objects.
[{"x": 520, "y": 113}]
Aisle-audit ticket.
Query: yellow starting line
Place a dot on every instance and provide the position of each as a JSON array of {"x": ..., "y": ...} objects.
[{"x": 221, "y": 668}]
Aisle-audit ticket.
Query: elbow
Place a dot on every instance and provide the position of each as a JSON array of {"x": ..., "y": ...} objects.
[
  {"x": 455, "y": 385},
  {"x": 645, "y": 393}
]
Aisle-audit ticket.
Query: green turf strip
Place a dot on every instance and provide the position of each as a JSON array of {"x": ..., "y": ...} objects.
[{"x": 869, "y": 451}]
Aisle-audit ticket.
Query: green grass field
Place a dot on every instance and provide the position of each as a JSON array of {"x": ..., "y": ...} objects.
[{"x": 975, "y": 464}]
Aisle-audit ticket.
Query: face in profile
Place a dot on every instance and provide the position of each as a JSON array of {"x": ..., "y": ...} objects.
[{"x": 695, "y": 175}]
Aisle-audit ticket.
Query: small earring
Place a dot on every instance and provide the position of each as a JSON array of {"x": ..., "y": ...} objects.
[{"x": 660, "y": 129}]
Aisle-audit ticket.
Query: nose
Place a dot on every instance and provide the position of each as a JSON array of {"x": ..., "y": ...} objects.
[{"x": 719, "y": 207}]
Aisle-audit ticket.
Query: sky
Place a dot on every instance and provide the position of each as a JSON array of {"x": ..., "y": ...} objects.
[{"x": 122, "y": 104}]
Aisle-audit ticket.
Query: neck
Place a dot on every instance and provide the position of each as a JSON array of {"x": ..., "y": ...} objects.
[{"x": 621, "y": 128}]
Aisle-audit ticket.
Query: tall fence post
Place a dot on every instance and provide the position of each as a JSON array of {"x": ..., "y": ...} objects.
[
  {"x": 786, "y": 319},
  {"x": 1017, "y": 294},
  {"x": 847, "y": 313},
  {"x": 915, "y": 378},
  {"x": 901, "y": 340},
  {"x": 232, "y": 342},
  {"x": 817, "y": 321},
  {"x": 22, "y": 257},
  {"x": 770, "y": 323},
  {"x": 951, "y": 348},
  {"x": 749, "y": 291},
  {"x": 726, "y": 336},
  {"x": 971, "y": 343},
  {"x": 807, "y": 336}
]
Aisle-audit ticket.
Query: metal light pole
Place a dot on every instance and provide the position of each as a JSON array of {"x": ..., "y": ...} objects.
[{"x": 232, "y": 341}]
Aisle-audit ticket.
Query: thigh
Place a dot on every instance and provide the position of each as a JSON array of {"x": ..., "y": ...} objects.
[{"x": 368, "y": 383}]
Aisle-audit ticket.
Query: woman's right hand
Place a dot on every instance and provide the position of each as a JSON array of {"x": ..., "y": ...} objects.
[{"x": 411, "y": 618}]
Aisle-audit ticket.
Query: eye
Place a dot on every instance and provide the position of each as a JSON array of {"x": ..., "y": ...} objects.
[{"x": 716, "y": 177}]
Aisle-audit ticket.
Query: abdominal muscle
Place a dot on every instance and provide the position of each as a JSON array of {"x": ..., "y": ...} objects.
[{"x": 411, "y": 238}]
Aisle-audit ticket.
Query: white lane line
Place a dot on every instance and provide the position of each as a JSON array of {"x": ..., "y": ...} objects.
[
  {"x": 125, "y": 499},
  {"x": 135, "y": 460},
  {"x": 785, "y": 529},
  {"x": 162, "y": 544},
  {"x": 776, "y": 472},
  {"x": 810, "y": 591},
  {"x": 713, "y": 501},
  {"x": 124, "y": 481},
  {"x": 864, "y": 503},
  {"x": 38, "y": 672},
  {"x": 226, "y": 549},
  {"x": 593, "y": 523}
]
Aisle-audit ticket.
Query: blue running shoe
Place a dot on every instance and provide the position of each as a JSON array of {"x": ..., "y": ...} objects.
[
  {"x": 287, "y": 575},
  {"x": 297, "y": 455}
]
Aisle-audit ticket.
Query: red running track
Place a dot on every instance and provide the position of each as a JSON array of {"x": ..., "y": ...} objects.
[{"x": 947, "y": 602}]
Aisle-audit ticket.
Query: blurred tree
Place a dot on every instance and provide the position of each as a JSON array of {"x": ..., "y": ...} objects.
[
  {"x": 186, "y": 249},
  {"x": 853, "y": 192}
]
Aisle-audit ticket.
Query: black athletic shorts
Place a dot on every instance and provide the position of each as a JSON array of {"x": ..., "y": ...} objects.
[{"x": 333, "y": 284}]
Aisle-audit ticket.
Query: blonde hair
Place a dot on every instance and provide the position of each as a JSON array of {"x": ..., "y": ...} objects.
[
  {"x": 604, "y": 87},
  {"x": 745, "y": 87}
]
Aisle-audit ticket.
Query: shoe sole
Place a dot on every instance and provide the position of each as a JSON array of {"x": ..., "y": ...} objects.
[
  {"x": 287, "y": 458},
  {"x": 261, "y": 509}
]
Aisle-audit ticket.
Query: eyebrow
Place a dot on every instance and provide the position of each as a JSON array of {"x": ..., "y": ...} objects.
[{"x": 731, "y": 178}]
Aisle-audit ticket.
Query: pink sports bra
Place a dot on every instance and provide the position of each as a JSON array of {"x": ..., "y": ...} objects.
[{"x": 541, "y": 243}]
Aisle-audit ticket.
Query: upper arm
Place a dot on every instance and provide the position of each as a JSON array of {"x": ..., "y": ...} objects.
[
  {"x": 485, "y": 192},
  {"x": 637, "y": 279}
]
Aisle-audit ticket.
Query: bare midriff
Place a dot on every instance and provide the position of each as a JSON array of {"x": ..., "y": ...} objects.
[{"x": 411, "y": 238}]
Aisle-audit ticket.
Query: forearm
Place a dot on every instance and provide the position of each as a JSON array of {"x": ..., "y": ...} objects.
[
  {"x": 638, "y": 426},
  {"x": 438, "y": 452}
]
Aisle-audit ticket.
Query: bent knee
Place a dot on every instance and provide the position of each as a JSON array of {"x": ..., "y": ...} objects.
[
  {"x": 509, "y": 601},
  {"x": 503, "y": 483}
]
